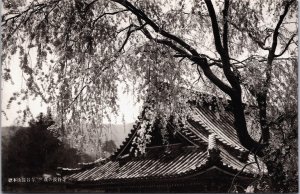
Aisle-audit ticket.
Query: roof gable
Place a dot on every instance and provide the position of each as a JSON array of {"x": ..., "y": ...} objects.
[
  {"x": 188, "y": 154},
  {"x": 203, "y": 121}
]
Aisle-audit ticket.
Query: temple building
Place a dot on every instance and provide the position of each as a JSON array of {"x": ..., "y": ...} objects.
[{"x": 203, "y": 156}]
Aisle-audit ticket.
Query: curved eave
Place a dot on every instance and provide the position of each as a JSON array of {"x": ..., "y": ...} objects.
[
  {"x": 205, "y": 120},
  {"x": 189, "y": 164}
]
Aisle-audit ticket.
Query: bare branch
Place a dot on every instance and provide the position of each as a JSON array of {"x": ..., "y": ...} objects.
[
  {"x": 167, "y": 43},
  {"x": 244, "y": 60},
  {"x": 286, "y": 47},
  {"x": 266, "y": 38},
  {"x": 239, "y": 174},
  {"x": 229, "y": 74},
  {"x": 215, "y": 26},
  {"x": 200, "y": 57},
  {"x": 225, "y": 26},
  {"x": 279, "y": 59},
  {"x": 272, "y": 55},
  {"x": 260, "y": 43},
  {"x": 141, "y": 15},
  {"x": 200, "y": 75},
  {"x": 104, "y": 14},
  {"x": 276, "y": 31},
  {"x": 216, "y": 64},
  {"x": 129, "y": 26},
  {"x": 31, "y": 7},
  {"x": 129, "y": 32}
]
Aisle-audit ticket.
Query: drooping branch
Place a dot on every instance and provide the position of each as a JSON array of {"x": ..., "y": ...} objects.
[
  {"x": 22, "y": 16},
  {"x": 185, "y": 50},
  {"x": 86, "y": 85},
  {"x": 283, "y": 117},
  {"x": 202, "y": 62}
]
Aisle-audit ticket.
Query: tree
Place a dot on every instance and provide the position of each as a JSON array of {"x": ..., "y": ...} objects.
[
  {"x": 109, "y": 146},
  {"x": 241, "y": 50},
  {"x": 35, "y": 150}
]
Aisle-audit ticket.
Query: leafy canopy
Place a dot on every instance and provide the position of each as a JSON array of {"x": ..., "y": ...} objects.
[{"x": 74, "y": 54}]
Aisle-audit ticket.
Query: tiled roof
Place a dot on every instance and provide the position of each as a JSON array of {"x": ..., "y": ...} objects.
[
  {"x": 180, "y": 161},
  {"x": 220, "y": 124}
]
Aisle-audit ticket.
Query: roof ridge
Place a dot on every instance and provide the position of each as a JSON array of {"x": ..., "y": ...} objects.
[{"x": 210, "y": 130}]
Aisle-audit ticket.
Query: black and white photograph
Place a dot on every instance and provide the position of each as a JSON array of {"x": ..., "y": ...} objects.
[{"x": 149, "y": 96}]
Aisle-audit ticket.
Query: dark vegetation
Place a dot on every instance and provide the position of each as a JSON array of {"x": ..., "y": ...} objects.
[
  {"x": 109, "y": 146},
  {"x": 34, "y": 150}
]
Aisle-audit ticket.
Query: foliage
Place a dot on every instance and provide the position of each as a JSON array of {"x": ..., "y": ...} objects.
[
  {"x": 109, "y": 146},
  {"x": 242, "y": 50},
  {"x": 34, "y": 150}
]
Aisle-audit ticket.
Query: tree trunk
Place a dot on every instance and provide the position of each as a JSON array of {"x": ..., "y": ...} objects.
[{"x": 241, "y": 127}]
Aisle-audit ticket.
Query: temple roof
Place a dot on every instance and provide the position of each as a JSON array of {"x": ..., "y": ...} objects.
[
  {"x": 179, "y": 162},
  {"x": 180, "y": 159}
]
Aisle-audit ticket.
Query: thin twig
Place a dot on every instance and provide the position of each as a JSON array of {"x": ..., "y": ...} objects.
[{"x": 239, "y": 174}]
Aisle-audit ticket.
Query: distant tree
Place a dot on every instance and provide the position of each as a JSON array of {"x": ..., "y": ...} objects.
[{"x": 109, "y": 146}]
